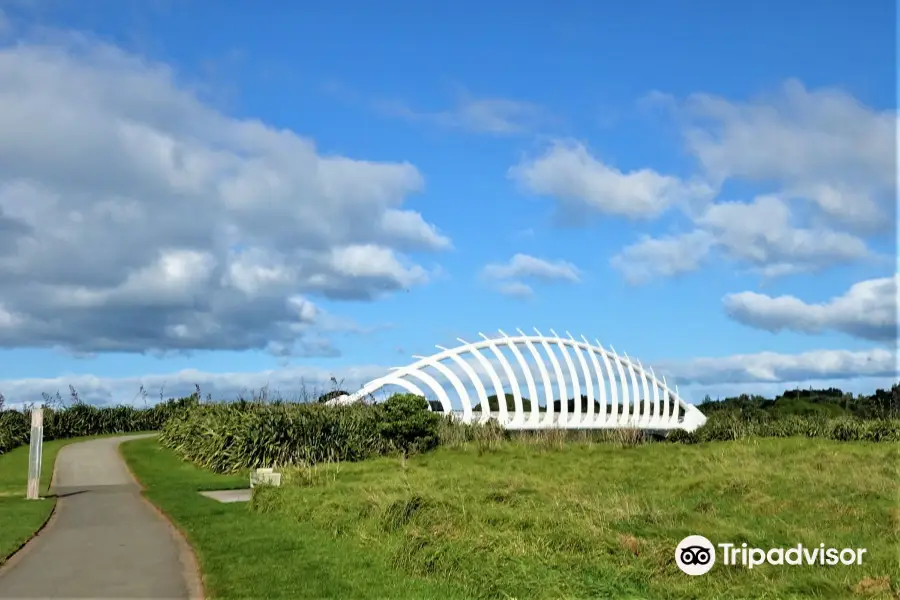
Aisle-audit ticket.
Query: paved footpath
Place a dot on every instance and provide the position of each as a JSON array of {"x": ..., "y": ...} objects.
[{"x": 104, "y": 540}]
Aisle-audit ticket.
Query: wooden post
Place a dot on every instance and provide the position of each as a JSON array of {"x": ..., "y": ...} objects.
[{"x": 35, "y": 451}]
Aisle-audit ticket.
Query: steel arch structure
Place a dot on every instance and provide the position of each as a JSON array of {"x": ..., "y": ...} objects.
[{"x": 636, "y": 398}]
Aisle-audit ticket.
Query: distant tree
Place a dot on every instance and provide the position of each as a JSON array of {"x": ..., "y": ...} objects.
[{"x": 830, "y": 402}]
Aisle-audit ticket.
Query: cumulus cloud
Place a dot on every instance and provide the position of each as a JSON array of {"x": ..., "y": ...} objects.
[
  {"x": 579, "y": 182},
  {"x": 523, "y": 265},
  {"x": 821, "y": 145},
  {"x": 507, "y": 275},
  {"x": 760, "y": 234},
  {"x": 515, "y": 289},
  {"x": 772, "y": 367},
  {"x": 135, "y": 217},
  {"x": 825, "y": 162},
  {"x": 663, "y": 257},
  {"x": 867, "y": 310}
]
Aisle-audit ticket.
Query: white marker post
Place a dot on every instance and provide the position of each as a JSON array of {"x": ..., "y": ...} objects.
[{"x": 35, "y": 451}]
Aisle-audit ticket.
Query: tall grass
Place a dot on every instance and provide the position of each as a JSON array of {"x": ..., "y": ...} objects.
[
  {"x": 731, "y": 426},
  {"x": 225, "y": 438},
  {"x": 229, "y": 437},
  {"x": 82, "y": 419}
]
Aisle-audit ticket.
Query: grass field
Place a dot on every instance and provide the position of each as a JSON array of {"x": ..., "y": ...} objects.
[
  {"x": 533, "y": 521},
  {"x": 20, "y": 518},
  {"x": 244, "y": 554}
]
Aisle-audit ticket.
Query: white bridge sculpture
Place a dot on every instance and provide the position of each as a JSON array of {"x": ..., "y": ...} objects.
[{"x": 636, "y": 398}]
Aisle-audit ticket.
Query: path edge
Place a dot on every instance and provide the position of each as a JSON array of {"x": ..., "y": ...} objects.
[
  {"x": 27, "y": 545},
  {"x": 190, "y": 565}
]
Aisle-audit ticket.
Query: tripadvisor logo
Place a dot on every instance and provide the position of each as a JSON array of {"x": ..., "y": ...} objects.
[{"x": 696, "y": 555}]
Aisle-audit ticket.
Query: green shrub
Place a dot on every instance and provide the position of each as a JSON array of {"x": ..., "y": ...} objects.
[
  {"x": 882, "y": 430},
  {"x": 407, "y": 424},
  {"x": 230, "y": 437},
  {"x": 730, "y": 425},
  {"x": 81, "y": 419}
]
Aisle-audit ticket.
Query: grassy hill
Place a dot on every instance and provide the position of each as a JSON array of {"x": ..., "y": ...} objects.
[{"x": 544, "y": 519}]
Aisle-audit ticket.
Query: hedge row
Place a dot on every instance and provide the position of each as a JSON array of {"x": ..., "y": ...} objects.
[
  {"x": 229, "y": 437},
  {"x": 732, "y": 426},
  {"x": 240, "y": 435},
  {"x": 82, "y": 419}
]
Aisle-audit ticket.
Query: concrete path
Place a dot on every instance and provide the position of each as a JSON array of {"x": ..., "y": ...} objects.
[{"x": 104, "y": 539}]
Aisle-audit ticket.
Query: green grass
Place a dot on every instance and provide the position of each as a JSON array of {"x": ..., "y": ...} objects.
[
  {"x": 244, "y": 554},
  {"x": 599, "y": 521},
  {"x": 527, "y": 520},
  {"x": 21, "y": 518}
]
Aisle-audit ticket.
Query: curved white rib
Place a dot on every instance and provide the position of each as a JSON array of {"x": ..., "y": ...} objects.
[
  {"x": 511, "y": 377},
  {"x": 668, "y": 416},
  {"x": 623, "y": 383},
  {"x": 455, "y": 381},
  {"x": 590, "y": 418},
  {"x": 492, "y": 375},
  {"x": 575, "y": 418},
  {"x": 656, "y": 403},
  {"x": 615, "y": 411},
  {"x": 430, "y": 381},
  {"x": 406, "y": 385},
  {"x": 645, "y": 391},
  {"x": 637, "y": 408},
  {"x": 529, "y": 381},
  {"x": 601, "y": 382},
  {"x": 635, "y": 392},
  {"x": 545, "y": 382},
  {"x": 473, "y": 377},
  {"x": 563, "y": 392}
]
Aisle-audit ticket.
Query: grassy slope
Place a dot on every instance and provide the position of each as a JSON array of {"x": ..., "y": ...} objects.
[
  {"x": 247, "y": 555},
  {"x": 20, "y": 518},
  {"x": 527, "y": 521},
  {"x": 598, "y": 521}
]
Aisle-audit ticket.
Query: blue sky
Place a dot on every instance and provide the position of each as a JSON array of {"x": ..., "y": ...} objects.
[{"x": 710, "y": 189}]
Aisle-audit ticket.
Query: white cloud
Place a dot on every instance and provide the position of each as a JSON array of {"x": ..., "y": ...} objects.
[
  {"x": 579, "y": 182},
  {"x": 515, "y": 289},
  {"x": 759, "y": 234},
  {"x": 662, "y": 257},
  {"x": 136, "y": 218},
  {"x": 772, "y": 367},
  {"x": 867, "y": 310},
  {"x": 822, "y": 145},
  {"x": 408, "y": 226},
  {"x": 493, "y": 116},
  {"x": 827, "y": 165},
  {"x": 522, "y": 266}
]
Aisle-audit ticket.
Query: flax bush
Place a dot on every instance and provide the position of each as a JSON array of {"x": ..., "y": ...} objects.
[
  {"x": 226, "y": 438},
  {"x": 731, "y": 426},
  {"x": 230, "y": 437},
  {"x": 82, "y": 419}
]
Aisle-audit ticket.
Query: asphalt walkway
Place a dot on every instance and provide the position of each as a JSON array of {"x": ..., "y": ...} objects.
[{"x": 103, "y": 541}]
